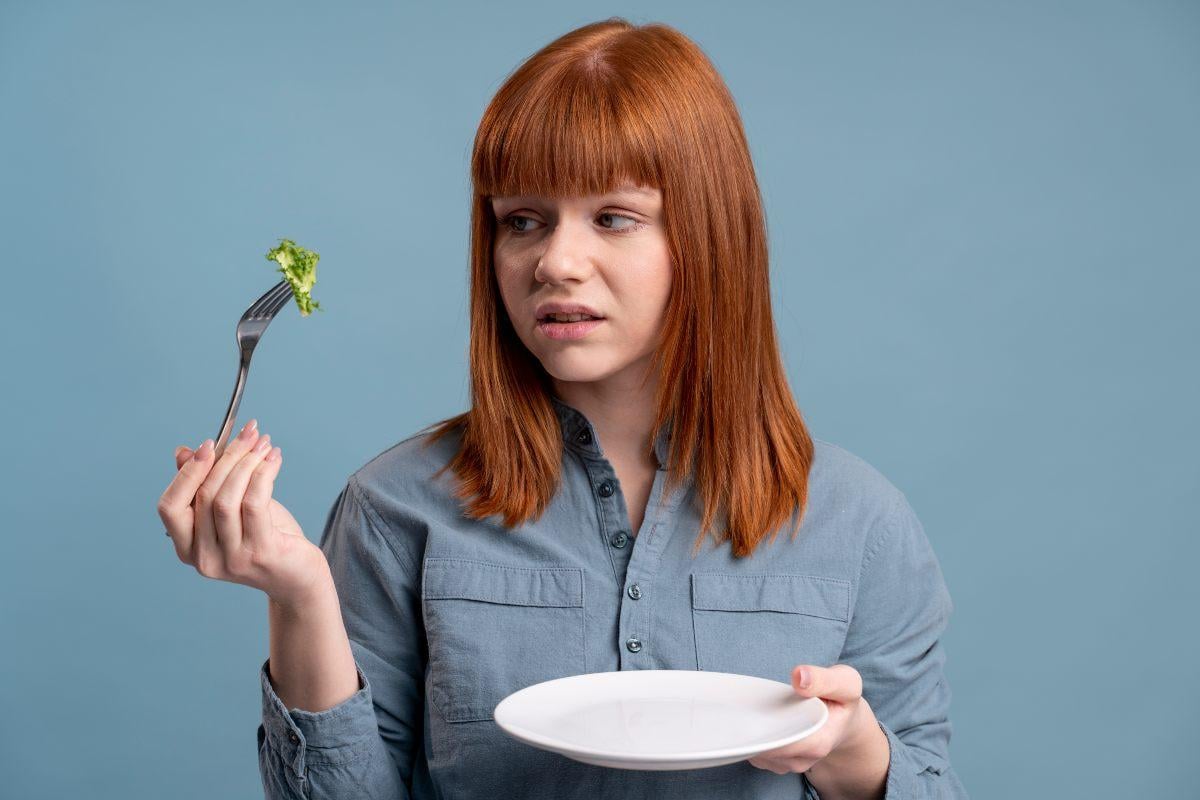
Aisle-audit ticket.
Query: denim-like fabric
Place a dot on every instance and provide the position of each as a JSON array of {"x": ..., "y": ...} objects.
[{"x": 447, "y": 616}]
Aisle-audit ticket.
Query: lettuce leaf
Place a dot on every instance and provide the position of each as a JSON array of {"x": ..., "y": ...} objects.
[{"x": 299, "y": 267}]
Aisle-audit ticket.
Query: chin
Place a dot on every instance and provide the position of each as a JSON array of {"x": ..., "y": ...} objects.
[{"x": 578, "y": 367}]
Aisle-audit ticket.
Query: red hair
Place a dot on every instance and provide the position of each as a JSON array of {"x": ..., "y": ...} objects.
[{"x": 607, "y": 102}]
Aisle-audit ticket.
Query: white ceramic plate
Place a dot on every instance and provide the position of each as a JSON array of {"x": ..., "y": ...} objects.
[{"x": 658, "y": 719}]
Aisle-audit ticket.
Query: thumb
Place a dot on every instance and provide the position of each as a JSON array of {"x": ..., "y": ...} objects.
[{"x": 841, "y": 682}]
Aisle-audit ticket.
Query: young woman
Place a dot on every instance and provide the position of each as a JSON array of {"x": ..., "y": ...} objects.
[{"x": 613, "y": 496}]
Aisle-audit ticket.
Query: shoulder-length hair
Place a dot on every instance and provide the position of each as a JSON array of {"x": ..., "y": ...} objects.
[{"x": 607, "y": 102}]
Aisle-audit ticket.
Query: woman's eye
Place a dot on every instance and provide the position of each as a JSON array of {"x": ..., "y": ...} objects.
[
  {"x": 509, "y": 221},
  {"x": 609, "y": 215}
]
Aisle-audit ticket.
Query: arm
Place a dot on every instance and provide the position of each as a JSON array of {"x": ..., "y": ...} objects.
[
  {"x": 351, "y": 668},
  {"x": 902, "y": 608}
]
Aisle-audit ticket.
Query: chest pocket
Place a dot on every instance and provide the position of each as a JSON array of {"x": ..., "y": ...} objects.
[
  {"x": 766, "y": 624},
  {"x": 493, "y": 629}
]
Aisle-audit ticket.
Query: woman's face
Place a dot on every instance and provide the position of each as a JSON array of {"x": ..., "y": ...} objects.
[{"x": 606, "y": 252}]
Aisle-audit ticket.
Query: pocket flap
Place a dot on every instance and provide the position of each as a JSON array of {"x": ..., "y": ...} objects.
[
  {"x": 795, "y": 594},
  {"x": 463, "y": 579}
]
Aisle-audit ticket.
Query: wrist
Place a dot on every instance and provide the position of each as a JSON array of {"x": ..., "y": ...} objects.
[
  {"x": 862, "y": 756},
  {"x": 865, "y": 732},
  {"x": 318, "y": 592}
]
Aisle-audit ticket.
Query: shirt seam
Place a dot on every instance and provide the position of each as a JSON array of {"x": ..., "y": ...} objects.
[
  {"x": 885, "y": 524},
  {"x": 375, "y": 520}
]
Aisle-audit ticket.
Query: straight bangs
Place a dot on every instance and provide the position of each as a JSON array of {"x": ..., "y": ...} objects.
[{"x": 570, "y": 131}]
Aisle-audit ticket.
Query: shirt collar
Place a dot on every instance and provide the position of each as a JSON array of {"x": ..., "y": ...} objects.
[{"x": 577, "y": 432}]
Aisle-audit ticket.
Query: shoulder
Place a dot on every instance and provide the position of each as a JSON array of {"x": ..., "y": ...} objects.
[
  {"x": 409, "y": 467},
  {"x": 410, "y": 479},
  {"x": 847, "y": 481},
  {"x": 850, "y": 503},
  {"x": 849, "y": 488}
]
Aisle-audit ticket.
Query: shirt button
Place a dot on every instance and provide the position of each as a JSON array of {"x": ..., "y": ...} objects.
[
  {"x": 635, "y": 592},
  {"x": 618, "y": 539},
  {"x": 293, "y": 738},
  {"x": 633, "y": 644},
  {"x": 584, "y": 436},
  {"x": 605, "y": 489}
]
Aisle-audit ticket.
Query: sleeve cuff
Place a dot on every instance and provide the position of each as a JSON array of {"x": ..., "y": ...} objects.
[
  {"x": 906, "y": 768},
  {"x": 902, "y": 771},
  {"x": 302, "y": 738}
]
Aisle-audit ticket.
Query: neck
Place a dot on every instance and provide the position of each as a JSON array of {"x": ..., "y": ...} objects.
[{"x": 621, "y": 410}]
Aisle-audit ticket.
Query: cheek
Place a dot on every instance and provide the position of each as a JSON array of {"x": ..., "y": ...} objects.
[
  {"x": 509, "y": 282},
  {"x": 647, "y": 294}
]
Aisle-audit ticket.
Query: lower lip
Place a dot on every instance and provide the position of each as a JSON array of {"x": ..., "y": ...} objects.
[{"x": 568, "y": 330}]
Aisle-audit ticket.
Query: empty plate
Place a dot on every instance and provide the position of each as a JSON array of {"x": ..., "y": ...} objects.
[{"x": 658, "y": 719}]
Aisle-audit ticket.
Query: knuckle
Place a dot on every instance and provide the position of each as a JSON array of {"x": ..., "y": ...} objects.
[
  {"x": 225, "y": 508},
  {"x": 205, "y": 494},
  {"x": 210, "y": 568},
  {"x": 254, "y": 506}
]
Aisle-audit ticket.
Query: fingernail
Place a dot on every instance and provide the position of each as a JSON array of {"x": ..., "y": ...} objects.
[
  {"x": 805, "y": 678},
  {"x": 248, "y": 430},
  {"x": 203, "y": 450},
  {"x": 274, "y": 454},
  {"x": 263, "y": 443}
]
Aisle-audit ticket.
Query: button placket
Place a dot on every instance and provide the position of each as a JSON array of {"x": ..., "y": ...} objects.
[
  {"x": 636, "y": 617},
  {"x": 631, "y": 563}
]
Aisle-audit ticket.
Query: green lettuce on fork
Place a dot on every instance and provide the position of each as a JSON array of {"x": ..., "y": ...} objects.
[{"x": 299, "y": 267}]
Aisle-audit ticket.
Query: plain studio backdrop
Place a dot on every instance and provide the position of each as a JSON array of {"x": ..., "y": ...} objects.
[{"x": 985, "y": 277}]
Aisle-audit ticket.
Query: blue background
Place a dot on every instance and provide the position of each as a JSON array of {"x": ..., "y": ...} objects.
[{"x": 983, "y": 230}]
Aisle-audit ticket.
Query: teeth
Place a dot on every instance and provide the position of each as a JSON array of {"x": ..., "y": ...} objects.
[{"x": 569, "y": 317}]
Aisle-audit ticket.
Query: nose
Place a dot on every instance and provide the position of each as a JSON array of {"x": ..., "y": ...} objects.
[{"x": 566, "y": 255}]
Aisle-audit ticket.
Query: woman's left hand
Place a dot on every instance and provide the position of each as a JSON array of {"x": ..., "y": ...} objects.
[{"x": 850, "y": 720}]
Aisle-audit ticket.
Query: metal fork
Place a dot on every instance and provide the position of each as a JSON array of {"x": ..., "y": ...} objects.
[{"x": 250, "y": 329}]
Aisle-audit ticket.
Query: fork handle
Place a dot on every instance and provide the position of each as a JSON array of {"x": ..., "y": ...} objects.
[{"x": 231, "y": 413}]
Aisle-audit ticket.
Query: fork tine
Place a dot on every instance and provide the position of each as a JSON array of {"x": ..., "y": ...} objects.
[
  {"x": 273, "y": 304},
  {"x": 268, "y": 297},
  {"x": 273, "y": 307}
]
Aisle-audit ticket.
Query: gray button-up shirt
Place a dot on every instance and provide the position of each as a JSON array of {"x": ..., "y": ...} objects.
[{"x": 447, "y": 616}]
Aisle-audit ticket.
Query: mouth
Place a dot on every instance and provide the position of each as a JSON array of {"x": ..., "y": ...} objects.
[
  {"x": 568, "y": 326},
  {"x": 567, "y": 318}
]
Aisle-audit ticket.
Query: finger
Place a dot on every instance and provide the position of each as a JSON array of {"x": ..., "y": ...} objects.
[
  {"x": 768, "y": 764},
  {"x": 256, "y": 505},
  {"x": 206, "y": 549},
  {"x": 840, "y": 683},
  {"x": 182, "y": 454},
  {"x": 175, "y": 505},
  {"x": 227, "y": 505}
]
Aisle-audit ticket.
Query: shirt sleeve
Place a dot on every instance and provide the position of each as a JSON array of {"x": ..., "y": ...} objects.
[
  {"x": 903, "y": 606},
  {"x": 364, "y": 747}
]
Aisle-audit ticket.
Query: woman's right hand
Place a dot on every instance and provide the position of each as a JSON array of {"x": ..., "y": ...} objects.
[{"x": 224, "y": 522}]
